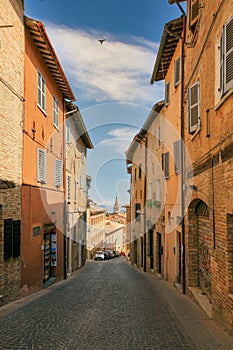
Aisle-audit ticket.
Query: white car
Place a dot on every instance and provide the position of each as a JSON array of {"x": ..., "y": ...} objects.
[{"x": 99, "y": 255}]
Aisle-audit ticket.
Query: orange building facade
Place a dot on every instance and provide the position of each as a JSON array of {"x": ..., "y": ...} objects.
[{"x": 43, "y": 188}]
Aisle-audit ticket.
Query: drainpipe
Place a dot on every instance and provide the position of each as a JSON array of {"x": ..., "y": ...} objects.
[{"x": 182, "y": 134}]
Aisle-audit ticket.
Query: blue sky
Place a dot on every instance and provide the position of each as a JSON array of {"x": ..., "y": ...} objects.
[{"x": 111, "y": 81}]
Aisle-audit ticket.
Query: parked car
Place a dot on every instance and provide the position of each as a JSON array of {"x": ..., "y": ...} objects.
[
  {"x": 111, "y": 255},
  {"x": 99, "y": 255},
  {"x": 116, "y": 253}
]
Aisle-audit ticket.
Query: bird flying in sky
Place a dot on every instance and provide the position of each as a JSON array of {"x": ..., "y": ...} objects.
[{"x": 101, "y": 41}]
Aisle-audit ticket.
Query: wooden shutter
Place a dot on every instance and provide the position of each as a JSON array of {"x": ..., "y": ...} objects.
[
  {"x": 193, "y": 13},
  {"x": 16, "y": 238},
  {"x": 41, "y": 166},
  {"x": 228, "y": 59},
  {"x": 194, "y": 107},
  {"x": 8, "y": 238},
  {"x": 165, "y": 164},
  {"x": 58, "y": 173},
  {"x": 68, "y": 188},
  {"x": 177, "y": 72},
  {"x": 177, "y": 156}
]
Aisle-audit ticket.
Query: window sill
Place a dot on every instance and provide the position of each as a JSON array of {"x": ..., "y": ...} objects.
[
  {"x": 56, "y": 127},
  {"x": 223, "y": 99},
  {"x": 40, "y": 108},
  {"x": 195, "y": 134}
]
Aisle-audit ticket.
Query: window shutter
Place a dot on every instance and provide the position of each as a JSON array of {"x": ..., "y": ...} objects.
[
  {"x": 16, "y": 238},
  {"x": 8, "y": 243},
  {"x": 158, "y": 191},
  {"x": 222, "y": 62},
  {"x": 167, "y": 93},
  {"x": 58, "y": 173},
  {"x": 165, "y": 164},
  {"x": 229, "y": 55},
  {"x": 177, "y": 72},
  {"x": 177, "y": 156},
  {"x": 67, "y": 131},
  {"x": 41, "y": 165},
  {"x": 68, "y": 188},
  {"x": 194, "y": 107},
  {"x": 193, "y": 13}
]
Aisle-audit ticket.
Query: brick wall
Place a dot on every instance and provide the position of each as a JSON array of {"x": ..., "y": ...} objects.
[{"x": 11, "y": 115}]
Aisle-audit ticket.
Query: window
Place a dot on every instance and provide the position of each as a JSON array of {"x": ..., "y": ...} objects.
[
  {"x": 68, "y": 189},
  {"x": 11, "y": 238},
  {"x": 165, "y": 164},
  {"x": 194, "y": 107},
  {"x": 137, "y": 211},
  {"x": 68, "y": 138},
  {"x": 135, "y": 174},
  {"x": 177, "y": 72},
  {"x": 58, "y": 172},
  {"x": 55, "y": 111},
  {"x": 41, "y": 92},
  {"x": 83, "y": 154},
  {"x": 167, "y": 93},
  {"x": 157, "y": 130},
  {"x": 41, "y": 165},
  {"x": 158, "y": 192},
  {"x": 193, "y": 13},
  {"x": 140, "y": 171},
  {"x": 177, "y": 156},
  {"x": 226, "y": 59}
]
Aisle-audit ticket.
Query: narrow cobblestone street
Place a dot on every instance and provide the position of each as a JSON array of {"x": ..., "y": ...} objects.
[{"x": 109, "y": 305}]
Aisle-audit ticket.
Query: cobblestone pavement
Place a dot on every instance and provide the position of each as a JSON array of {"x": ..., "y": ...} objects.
[{"x": 109, "y": 305}]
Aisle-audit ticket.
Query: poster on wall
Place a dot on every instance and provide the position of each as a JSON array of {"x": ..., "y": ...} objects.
[{"x": 53, "y": 249}]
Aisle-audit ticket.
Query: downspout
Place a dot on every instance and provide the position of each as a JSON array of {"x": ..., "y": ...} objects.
[{"x": 182, "y": 134}]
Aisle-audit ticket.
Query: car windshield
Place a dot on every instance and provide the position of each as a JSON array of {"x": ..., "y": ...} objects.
[{"x": 99, "y": 253}]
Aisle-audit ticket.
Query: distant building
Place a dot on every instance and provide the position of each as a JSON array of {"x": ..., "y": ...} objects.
[{"x": 116, "y": 208}]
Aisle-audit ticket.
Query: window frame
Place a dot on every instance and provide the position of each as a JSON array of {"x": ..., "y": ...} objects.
[
  {"x": 224, "y": 55},
  {"x": 177, "y": 72},
  {"x": 58, "y": 173},
  {"x": 41, "y": 91},
  {"x": 55, "y": 112},
  {"x": 165, "y": 164},
  {"x": 41, "y": 165},
  {"x": 193, "y": 127},
  {"x": 167, "y": 93}
]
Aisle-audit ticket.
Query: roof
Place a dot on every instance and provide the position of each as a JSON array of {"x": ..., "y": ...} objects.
[
  {"x": 40, "y": 37},
  {"x": 174, "y": 1},
  {"x": 94, "y": 209},
  {"x": 136, "y": 140},
  {"x": 77, "y": 119},
  {"x": 170, "y": 37}
]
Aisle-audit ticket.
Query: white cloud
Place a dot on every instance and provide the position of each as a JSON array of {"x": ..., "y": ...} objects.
[
  {"x": 113, "y": 71},
  {"x": 125, "y": 133}
]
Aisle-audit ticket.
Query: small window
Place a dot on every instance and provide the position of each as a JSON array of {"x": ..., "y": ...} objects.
[
  {"x": 55, "y": 111},
  {"x": 83, "y": 154},
  {"x": 140, "y": 171},
  {"x": 41, "y": 165},
  {"x": 58, "y": 173},
  {"x": 68, "y": 133},
  {"x": 165, "y": 164},
  {"x": 12, "y": 230},
  {"x": 158, "y": 136},
  {"x": 177, "y": 156},
  {"x": 167, "y": 94},
  {"x": 194, "y": 107},
  {"x": 41, "y": 92},
  {"x": 158, "y": 191},
  {"x": 226, "y": 59},
  {"x": 177, "y": 72},
  {"x": 68, "y": 188},
  {"x": 137, "y": 211},
  {"x": 135, "y": 174}
]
